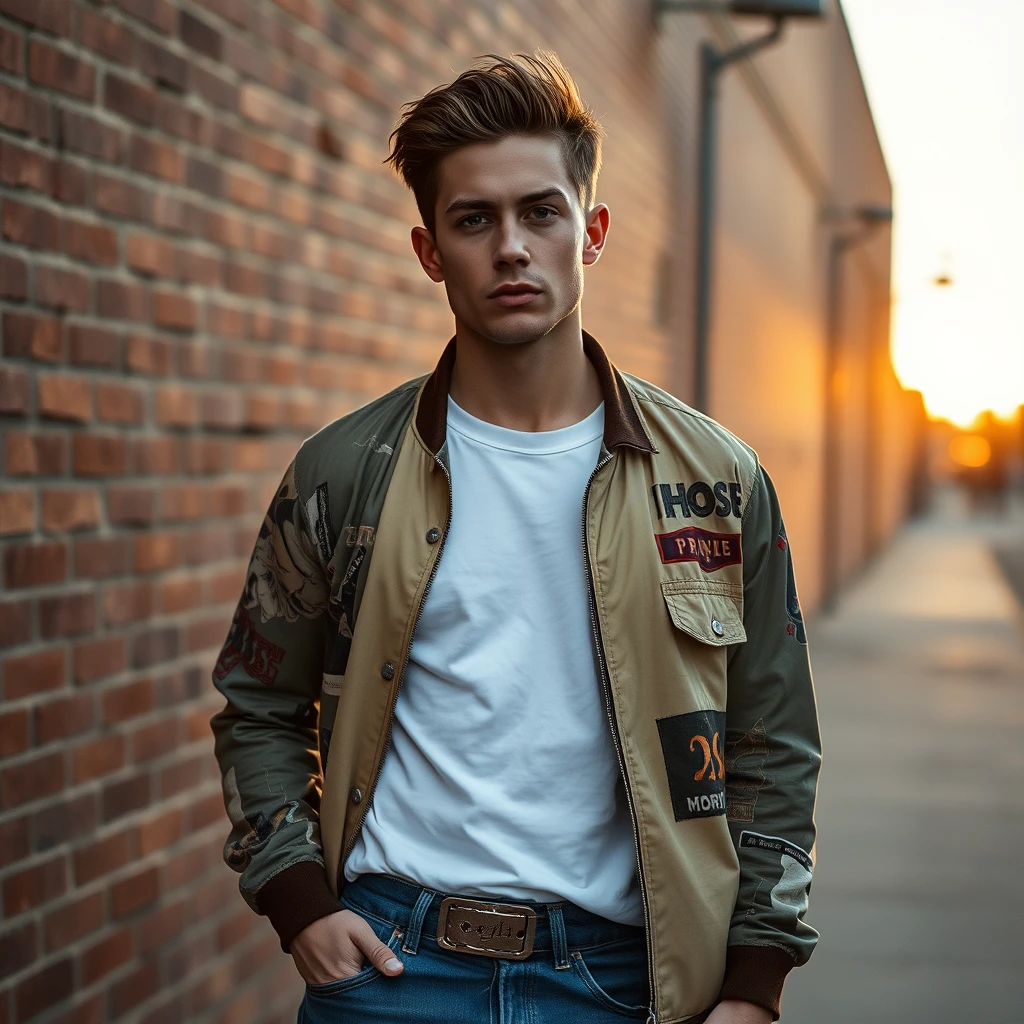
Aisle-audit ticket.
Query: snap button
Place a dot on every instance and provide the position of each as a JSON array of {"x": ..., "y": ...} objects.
[
  {"x": 357, "y": 796},
  {"x": 433, "y": 535},
  {"x": 717, "y": 628},
  {"x": 387, "y": 670}
]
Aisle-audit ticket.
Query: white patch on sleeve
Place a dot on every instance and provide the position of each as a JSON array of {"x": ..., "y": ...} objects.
[
  {"x": 790, "y": 892},
  {"x": 332, "y": 684}
]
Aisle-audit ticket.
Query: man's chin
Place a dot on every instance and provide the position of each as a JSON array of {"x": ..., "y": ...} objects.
[{"x": 516, "y": 329}]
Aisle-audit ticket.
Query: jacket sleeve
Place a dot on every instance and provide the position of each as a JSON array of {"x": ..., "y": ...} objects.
[
  {"x": 265, "y": 739},
  {"x": 773, "y": 753}
]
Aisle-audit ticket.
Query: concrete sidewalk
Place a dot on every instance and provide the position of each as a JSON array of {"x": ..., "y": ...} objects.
[{"x": 919, "y": 884}]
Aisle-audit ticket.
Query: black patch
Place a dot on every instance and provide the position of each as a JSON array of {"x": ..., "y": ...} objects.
[
  {"x": 343, "y": 610},
  {"x": 322, "y": 524},
  {"x": 756, "y": 841},
  {"x": 693, "y": 745},
  {"x": 697, "y": 499},
  {"x": 796, "y": 616},
  {"x": 744, "y": 763}
]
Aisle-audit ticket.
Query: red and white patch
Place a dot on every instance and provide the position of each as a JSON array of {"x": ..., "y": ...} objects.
[{"x": 711, "y": 551}]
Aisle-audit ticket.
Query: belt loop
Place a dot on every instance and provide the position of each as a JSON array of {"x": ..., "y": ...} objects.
[
  {"x": 419, "y": 912},
  {"x": 558, "y": 942}
]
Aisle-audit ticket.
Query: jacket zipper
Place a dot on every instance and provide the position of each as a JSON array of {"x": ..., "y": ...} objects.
[
  {"x": 652, "y": 1017},
  {"x": 401, "y": 674}
]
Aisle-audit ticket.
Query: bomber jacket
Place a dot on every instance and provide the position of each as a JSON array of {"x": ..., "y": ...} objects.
[{"x": 700, "y": 643}]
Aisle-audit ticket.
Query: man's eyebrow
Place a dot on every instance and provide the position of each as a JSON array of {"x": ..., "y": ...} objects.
[{"x": 487, "y": 204}]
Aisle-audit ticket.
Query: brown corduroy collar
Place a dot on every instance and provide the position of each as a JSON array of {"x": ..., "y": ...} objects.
[{"x": 622, "y": 422}]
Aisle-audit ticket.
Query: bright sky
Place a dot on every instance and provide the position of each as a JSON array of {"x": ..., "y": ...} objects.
[{"x": 946, "y": 82}]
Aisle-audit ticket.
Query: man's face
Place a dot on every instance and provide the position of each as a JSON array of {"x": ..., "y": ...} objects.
[{"x": 511, "y": 238}]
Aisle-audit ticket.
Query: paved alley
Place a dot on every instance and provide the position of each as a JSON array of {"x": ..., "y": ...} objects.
[{"x": 919, "y": 887}]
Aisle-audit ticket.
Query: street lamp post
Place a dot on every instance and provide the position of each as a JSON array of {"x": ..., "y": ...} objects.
[{"x": 713, "y": 63}]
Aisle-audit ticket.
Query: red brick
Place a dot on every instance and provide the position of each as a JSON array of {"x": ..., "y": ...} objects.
[
  {"x": 34, "y": 454},
  {"x": 156, "y": 551},
  {"x": 198, "y": 268},
  {"x": 98, "y": 33},
  {"x": 53, "y": 16},
  {"x": 131, "y": 894},
  {"x": 124, "y": 603},
  {"x": 70, "y": 183},
  {"x": 24, "y": 112},
  {"x": 154, "y": 741},
  {"x": 70, "y": 510},
  {"x": 147, "y": 254},
  {"x": 148, "y": 355},
  {"x": 122, "y": 198},
  {"x": 89, "y": 136},
  {"x": 13, "y": 732},
  {"x": 96, "y": 455},
  {"x": 11, "y": 52},
  {"x": 64, "y": 821},
  {"x": 184, "y": 501},
  {"x": 174, "y": 311},
  {"x": 157, "y": 159},
  {"x": 32, "y": 780},
  {"x": 157, "y": 13},
  {"x": 131, "y": 506},
  {"x": 134, "y": 988},
  {"x": 163, "y": 66},
  {"x": 15, "y": 391},
  {"x": 47, "y": 987},
  {"x": 207, "y": 634},
  {"x": 34, "y": 886},
  {"x": 155, "y": 646},
  {"x": 63, "y": 717},
  {"x": 34, "y": 673},
  {"x": 66, "y": 398},
  {"x": 15, "y": 623},
  {"x": 126, "y": 796},
  {"x": 98, "y": 659},
  {"x": 161, "y": 832},
  {"x": 33, "y": 337},
  {"x": 135, "y": 102},
  {"x": 93, "y": 243},
  {"x": 176, "y": 407},
  {"x": 23, "y": 168},
  {"x": 67, "y": 615},
  {"x": 163, "y": 924},
  {"x": 58, "y": 70},
  {"x": 13, "y": 272},
  {"x": 93, "y": 346},
  {"x": 247, "y": 191},
  {"x": 14, "y": 842},
  {"x": 17, "y": 512},
  {"x": 119, "y": 403},
  {"x": 30, "y": 225},
  {"x": 156, "y": 455},
  {"x": 122, "y": 301},
  {"x": 99, "y": 558},
  {"x": 62, "y": 289},
  {"x": 118, "y": 704},
  {"x": 74, "y": 921},
  {"x": 106, "y": 956},
  {"x": 34, "y": 565},
  {"x": 95, "y": 758}
]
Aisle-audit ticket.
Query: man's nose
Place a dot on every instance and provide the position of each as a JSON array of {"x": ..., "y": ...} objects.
[{"x": 511, "y": 248}]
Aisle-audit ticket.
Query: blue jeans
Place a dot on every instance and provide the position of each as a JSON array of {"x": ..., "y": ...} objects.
[{"x": 583, "y": 970}]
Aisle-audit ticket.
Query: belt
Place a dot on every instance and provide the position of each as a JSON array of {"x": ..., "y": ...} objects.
[{"x": 503, "y": 930}]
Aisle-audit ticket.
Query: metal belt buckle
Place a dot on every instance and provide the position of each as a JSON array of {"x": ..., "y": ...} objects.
[{"x": 502, "y": 930}]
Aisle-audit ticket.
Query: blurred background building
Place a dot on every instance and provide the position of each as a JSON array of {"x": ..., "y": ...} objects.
[{"x": 204, "y": 260}]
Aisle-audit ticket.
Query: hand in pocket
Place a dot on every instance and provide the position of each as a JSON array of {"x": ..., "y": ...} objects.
[{"x": 335, "y": 947}]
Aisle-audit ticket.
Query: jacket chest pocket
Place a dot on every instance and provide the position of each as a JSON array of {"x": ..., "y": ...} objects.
[{"x": 708, "y": 619}]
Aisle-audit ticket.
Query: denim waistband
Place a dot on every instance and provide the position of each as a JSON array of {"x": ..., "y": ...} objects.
[{"x": 404, "y": 904}]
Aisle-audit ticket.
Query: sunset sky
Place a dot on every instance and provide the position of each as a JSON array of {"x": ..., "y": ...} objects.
[{"x": 946, "y": 83}]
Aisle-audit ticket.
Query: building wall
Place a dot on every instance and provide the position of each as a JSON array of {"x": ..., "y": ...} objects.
[{"x": 203, "y": 260}]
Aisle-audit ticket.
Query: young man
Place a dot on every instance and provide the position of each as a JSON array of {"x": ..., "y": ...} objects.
[{"x": 519, "y": 671}]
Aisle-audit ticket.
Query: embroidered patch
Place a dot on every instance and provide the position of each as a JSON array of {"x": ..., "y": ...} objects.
[
  {"x": 692, "y": 745},
  {"x": 318, "y": 513},
  {"x": 259, "y": 656},
  {"x": 789, "y": 894},
  {"x": 744, "y": 761},
  {"x": 711, "y": 551},
  {"x": 698, "y": 499},
  {"x": 796, "y": 616}
]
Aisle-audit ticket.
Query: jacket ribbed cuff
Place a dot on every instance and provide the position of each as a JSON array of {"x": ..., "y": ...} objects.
[
  {"x": 756, "y": 974},
  {"x": 295, "y": 898}
]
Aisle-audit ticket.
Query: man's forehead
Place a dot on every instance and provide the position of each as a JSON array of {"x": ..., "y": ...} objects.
[{"x": 503, "y": 171}]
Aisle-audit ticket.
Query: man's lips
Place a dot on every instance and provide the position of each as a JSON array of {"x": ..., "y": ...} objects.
[{"x": 514, "y": 294}]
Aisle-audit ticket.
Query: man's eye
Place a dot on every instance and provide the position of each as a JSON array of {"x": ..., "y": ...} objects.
[
  {"x": 544, "y": 213},
  {"x": 474, "y": 220}
]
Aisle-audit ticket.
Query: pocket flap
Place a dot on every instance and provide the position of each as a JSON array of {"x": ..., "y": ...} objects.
[{"x": 708, "y": 610}]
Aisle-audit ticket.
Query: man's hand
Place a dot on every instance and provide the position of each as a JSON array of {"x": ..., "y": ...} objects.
[
  {"x": 733, "y": 1011},
  {"x": 334, "y": 947}
]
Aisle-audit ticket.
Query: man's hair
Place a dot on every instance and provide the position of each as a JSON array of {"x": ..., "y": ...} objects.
[{"x": 497, "y": 97}]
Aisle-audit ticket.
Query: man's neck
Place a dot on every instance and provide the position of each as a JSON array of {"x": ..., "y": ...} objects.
[{"x": 540, "y": 385}]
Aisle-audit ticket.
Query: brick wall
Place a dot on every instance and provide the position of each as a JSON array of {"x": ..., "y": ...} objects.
[{"x": 202, "y": 261}]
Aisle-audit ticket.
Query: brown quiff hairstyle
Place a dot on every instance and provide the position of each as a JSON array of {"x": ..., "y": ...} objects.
[{"x": 497, "y": 97}]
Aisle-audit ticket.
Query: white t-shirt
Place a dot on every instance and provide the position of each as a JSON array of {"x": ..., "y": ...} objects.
[{"x": 502, "y": 778}]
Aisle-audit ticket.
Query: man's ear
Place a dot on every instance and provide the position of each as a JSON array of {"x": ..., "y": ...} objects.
[
  {"x": 597, "y": 233},
  {"x": 427, "y": 253}
]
